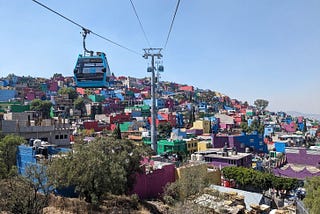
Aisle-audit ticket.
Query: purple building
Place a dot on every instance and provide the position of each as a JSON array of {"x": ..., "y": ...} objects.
[
  {"x": 224, "y": 157},
  {"x": 301, "y": 163},
  {"x": 303, "y": 156},
  {"x": 254, "y": 142}
]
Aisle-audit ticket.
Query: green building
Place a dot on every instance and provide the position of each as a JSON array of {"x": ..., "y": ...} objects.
[
  {"x": 124, "y": 127},
  {"x": 169, "y": 146},
  {"x": 20, "y": 108},
  {"x": 96, "y": 98},
  {"x": 145, "y": 111}
]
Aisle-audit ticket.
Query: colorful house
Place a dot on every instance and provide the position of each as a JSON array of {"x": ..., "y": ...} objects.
[
  {"x": 225, "y": 122},
  {"x": 154, "y": 177},
  {"x": 302, "y": 156},
  {"x": 253, "y": 142},
  {"x": 171, "y": 146},
  {"x": 204, "y": 145},
  {"x": 169, "y": 117},
  {"x": 289, "y": 126},
  {"x": 203, "y": 125},
  {"x": 192, "y": 145},
  {"x": 6, "y": 95},
  {"x": 186, "y": 88},
  {"x": 227, "y": 157}
]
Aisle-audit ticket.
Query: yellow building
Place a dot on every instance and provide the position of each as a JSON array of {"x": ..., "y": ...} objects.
[
  {"x": 204, "y": 145},
  {"x": 192, "y": 145},
  {"x": 202, "y": 124}
]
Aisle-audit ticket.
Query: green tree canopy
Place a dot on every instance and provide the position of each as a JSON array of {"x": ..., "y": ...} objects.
[
  {"x": 20, "y": 194},
  {"x": 256, "y": 126},
  {"x": 79, "y": 104},
  {"x": 8, "y": 149},
  {"x": 42, "y": 107},
  {"x": 105, "y": 165},
  {"x": 164, "y": 130},
  {"x": 72, "y": 93},
  {"x": 261, "y": 104},
  {"x": 259, "y": 180},
  {"x": 117, "y": 132},
  {"x": 192, "y": 181},
  {"x": 57, "y": 75},
  {"x": 312, "y": 199}
]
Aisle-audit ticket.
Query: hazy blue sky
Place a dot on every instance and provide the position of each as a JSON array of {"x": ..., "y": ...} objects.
[{"x": 247, "y": 49}]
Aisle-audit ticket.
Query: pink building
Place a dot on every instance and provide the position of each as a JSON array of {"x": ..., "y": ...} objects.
[
  {"x": 151, "y": 182},
  {"x": 291, "y": 127}
]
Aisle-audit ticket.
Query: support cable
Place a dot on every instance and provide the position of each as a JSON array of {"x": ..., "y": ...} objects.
[
  {"x": 84, "y": 28},
  {"x": 141, "y": 26},
  {"x": 174, "y": 16}
]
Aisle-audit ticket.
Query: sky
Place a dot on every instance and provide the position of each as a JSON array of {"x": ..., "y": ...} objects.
[{"x": 246, "y": 49}]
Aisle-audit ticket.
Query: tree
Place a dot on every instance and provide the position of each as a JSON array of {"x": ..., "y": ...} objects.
[
  {"x": 8, "y": 150},
  {"x": 258, "y": 180},
  {"x": 312, "y": 199},
  {"x": 72, "y": 93},
  {"x": 29, "y": 194},
  {"x": 261, "y": 104},
  {"x": 43, "y": 107},
  {"x": 164, "y": 130},
  {"x": 245, "y": 128},
  {"x": 192, "y": 181},
  {"x": 80, "y": 105},
  {"x": 105, "y": 165},
  {"x": 117, "y": 132},
  {"x": 256, "y": 126}
]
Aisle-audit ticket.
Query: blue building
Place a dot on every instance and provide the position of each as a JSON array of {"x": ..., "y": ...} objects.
[
  {"x": 160, "y": 103},
  {"x": 31, "y": 155},
  {"x": 203, "y": 107},
  {"x": 7, "y": 95},
  {"x": 268, "y": 131},
  {"x": 4, "y": 83},
  {"x": 252, "y": 142}
]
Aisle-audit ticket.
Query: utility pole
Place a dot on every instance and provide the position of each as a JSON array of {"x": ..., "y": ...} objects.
[{"x": 153, "y": 52}]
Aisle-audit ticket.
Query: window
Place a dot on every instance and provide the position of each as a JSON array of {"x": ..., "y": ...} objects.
[
  {"x": 251, "y": 140},
  {"x": 233, "y": 162},
  {"x": 260, "y": 143},
  {"x": 57, "y": 137}
]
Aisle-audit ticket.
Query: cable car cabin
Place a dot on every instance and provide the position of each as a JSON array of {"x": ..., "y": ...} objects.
[{"x": 92, "y": 71}]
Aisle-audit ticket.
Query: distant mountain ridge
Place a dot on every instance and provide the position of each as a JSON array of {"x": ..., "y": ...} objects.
[{"x": 306, "y": 115}]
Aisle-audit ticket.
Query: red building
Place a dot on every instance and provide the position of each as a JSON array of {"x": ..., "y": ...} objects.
[
  {"x": 170, "y": 118},
  {"x": 186, "y": 88},
  {"x": 118, "y": 118},
  {"x": 95, "y": 126}
]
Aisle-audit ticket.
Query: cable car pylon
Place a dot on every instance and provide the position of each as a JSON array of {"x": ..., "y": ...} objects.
[{"x": 153, "y": 52}]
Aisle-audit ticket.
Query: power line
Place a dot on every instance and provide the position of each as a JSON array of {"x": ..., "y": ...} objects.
[
  {"x": 84, "y": 28},
  {"x": 144, "y": 33},
  {"x": 174, "y": 16}
]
